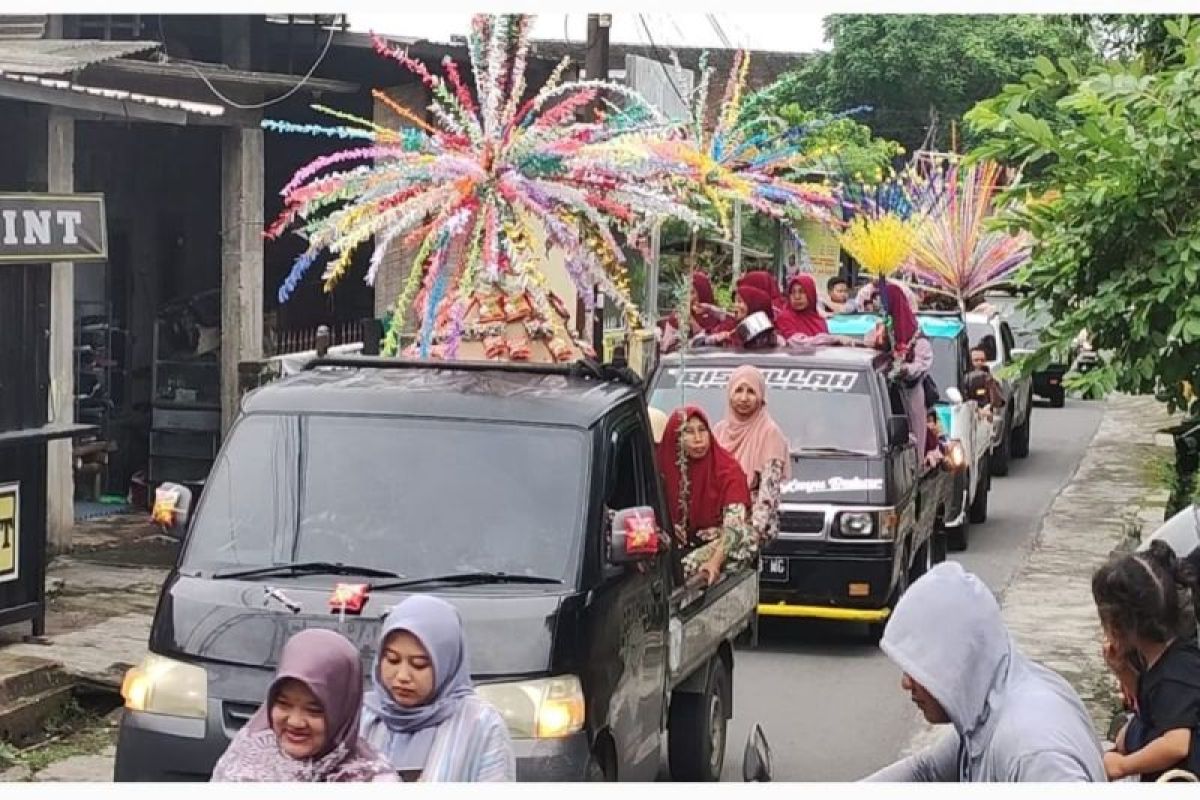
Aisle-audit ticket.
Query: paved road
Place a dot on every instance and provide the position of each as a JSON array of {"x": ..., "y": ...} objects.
[{"x": 830, "y": 703}]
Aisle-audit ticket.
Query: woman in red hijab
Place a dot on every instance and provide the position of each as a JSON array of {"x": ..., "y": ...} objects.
[
  {"x": 912, "y": 352},
  {"x": 708, "y": 498},
  {"x": 747, "y": 300},
  {"x": 765, "y": 282},
  {"x": 706, "y": 316},
  {"x": 801, "y": 316}
]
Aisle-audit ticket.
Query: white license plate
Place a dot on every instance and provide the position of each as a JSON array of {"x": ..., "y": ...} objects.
[{"x": 773, "y": 568}]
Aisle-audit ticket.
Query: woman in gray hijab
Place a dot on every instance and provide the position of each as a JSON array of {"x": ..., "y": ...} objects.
[
  {"x": 308, "y": 728},
  {"x": 422, "y": 713}
]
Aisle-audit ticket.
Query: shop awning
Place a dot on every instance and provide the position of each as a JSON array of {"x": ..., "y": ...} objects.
[
  {"x": 110, "y": 103},
  {"x": 62, "y": 56}
]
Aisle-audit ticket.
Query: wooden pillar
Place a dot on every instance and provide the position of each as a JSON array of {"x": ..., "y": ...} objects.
[
  {"x": 241, "y": 259},
  {"x": 59, "y": 135}
]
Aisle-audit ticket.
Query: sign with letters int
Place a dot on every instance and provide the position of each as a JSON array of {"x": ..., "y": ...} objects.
[
  {"x": 10, "y": 514},
  {"x": 37, "y": 228}
]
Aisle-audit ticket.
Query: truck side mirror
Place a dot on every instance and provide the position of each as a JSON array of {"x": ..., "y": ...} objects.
[
  {"x": 756, "y": 761},
  {"x": 898, "y": 430},
  {"x": 633, "y": 536},
  {"x": 954, "y": 395}
]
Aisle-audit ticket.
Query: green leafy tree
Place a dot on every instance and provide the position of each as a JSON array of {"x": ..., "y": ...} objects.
[
  {"x": 1112, "y": 195},
  {"x": 911, "y": 68}
]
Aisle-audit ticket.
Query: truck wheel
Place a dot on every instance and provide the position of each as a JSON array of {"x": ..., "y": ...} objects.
[
  {"x": 923, "y": 561},
  {"x": 939, "y": 544},
  {"x": 696, "y": 736},
  {"x": 1058, "y": 398},
  {"x": 978, "y": 512},
  {"x": 1001, "y": 453},
  {"x": 1020, "y": 436},
  {"x": 875, "y": 629},
  {"x": 957, "y": 537},
  {"x": 599, "y": 767}
]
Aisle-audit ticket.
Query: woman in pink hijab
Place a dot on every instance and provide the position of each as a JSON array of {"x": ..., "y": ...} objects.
[{"x": 750, "y": 434}]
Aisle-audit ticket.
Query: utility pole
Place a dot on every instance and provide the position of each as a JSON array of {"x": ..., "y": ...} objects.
[{"x": 596, "y": 65}]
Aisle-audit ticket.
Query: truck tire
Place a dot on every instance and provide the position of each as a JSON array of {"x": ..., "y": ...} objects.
[
  {"x": 977, "y": 514},
  {"x": 1058, "y": 398},
  {"x": 1020, "y": 436},
  {"x": 1001, "y": 453},
  {"x": 696, "y": 733},
  {"x": 940, "y": 544},
  {"x": 875, "y": 629},
  {"x": 957, "y": 538},
  {"x": 600, "y": 766},
  {"x": 922, "y": 561}
]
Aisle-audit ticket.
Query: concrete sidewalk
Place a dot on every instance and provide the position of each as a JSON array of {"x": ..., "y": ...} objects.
[{"x": 1109, "y": 501}]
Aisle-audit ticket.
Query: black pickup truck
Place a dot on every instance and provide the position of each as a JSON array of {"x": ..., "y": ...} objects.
[
  {"x": 859, "y": 516},
  {"x": 490, "y": 485}
]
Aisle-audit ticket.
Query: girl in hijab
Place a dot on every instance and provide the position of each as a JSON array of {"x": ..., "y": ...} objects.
[
  {"x": 753, "y": 438},
  {"x": 308, "y": 728},
  {"x": 913, "y": 355},
  {"x": 422, "y": 712},
  {"x": 706, "y": 316},
  {"x": 765, "y": 282},
  {"x": 802, "y": 316},
  {"x": 747, "y": 300},
  {"x": 709, "y": 498}
]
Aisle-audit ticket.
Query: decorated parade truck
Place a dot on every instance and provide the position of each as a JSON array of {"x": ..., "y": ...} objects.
[
  {"x": 524, "y": 494},
  {"x": 859, "y": 516}
]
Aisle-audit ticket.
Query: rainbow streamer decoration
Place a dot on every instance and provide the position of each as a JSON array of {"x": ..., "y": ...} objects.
[
  {"x": 712, "y": 167},
  {"x": 473, "y": 190},
  {"x": 955, "y": 249}
]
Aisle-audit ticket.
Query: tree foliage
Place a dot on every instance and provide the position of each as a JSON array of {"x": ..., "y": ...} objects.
[
  {"x": 1113, "y": 199},
  {"x": 909, "y": 67}
]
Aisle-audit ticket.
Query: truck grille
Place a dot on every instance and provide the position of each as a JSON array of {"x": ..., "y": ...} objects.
[{"x": 801, "y": 521}]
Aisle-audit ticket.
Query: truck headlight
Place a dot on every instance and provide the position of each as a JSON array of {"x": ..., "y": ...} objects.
[
  {"x": 164, "y": 686},
  {"x": 956, "y": 455},
  {"x": 549, "y": 708},
  {"x": 857, "y": 524}
]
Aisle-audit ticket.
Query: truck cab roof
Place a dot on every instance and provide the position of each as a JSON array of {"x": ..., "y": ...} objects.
[
  {"x": 570, "y": 395},
  {"x": 821, "y": 356}
]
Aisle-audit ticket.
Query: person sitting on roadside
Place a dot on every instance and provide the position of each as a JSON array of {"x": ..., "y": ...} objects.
[
  {"x": 838, "y": 289},
  {"x": 1012, "y": 719},
  {"x": 751, "y": 436},
  {"x": 708, "y": 497},
  {"x": 1149, "y": 642},
  {"x": 801, "y": 318},
  {"x": 308, "y": 728},
  {"x": 422, "y": 711}
]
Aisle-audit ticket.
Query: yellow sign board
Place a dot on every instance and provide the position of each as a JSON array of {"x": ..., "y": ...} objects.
[
  {"x": 10, "y": 510},
  {"x": 824, "y": 251}
]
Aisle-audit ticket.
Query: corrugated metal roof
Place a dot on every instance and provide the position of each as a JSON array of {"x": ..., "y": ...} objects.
[
  {"x": 62, "y": 56},
  {"x": 204, "y": 109}
]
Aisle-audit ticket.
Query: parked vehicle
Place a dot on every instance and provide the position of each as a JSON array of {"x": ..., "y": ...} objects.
[
  {"x": 489, "y": 485},
  {"x": 859, "y": 515},
  {"x": 1010, "y": 437},
  {"x": 970, "y": 434}
]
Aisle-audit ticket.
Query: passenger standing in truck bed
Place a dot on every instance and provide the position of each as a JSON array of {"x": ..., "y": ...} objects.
[{"x": 709, "y": 498}]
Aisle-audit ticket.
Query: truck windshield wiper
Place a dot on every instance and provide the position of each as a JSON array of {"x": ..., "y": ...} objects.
[
  {"x": 307, "y": 568},
  {"x": 464, "y": 578}
]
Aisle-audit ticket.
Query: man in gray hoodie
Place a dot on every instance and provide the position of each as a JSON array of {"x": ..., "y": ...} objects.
[{"x": 1013, "y": 720}]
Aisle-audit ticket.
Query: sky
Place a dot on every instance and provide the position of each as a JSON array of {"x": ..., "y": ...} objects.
[{"x": 793, "y": 32}]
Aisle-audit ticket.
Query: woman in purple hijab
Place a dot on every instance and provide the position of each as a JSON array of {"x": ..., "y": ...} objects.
[
  {"x": 308, "y": 728},
  {"x": 422, "y": 712}
]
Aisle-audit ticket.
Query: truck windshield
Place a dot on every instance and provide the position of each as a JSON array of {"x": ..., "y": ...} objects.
[
  {"x": 817, "y": 409},
  {"x": 416, "y": 497}
]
